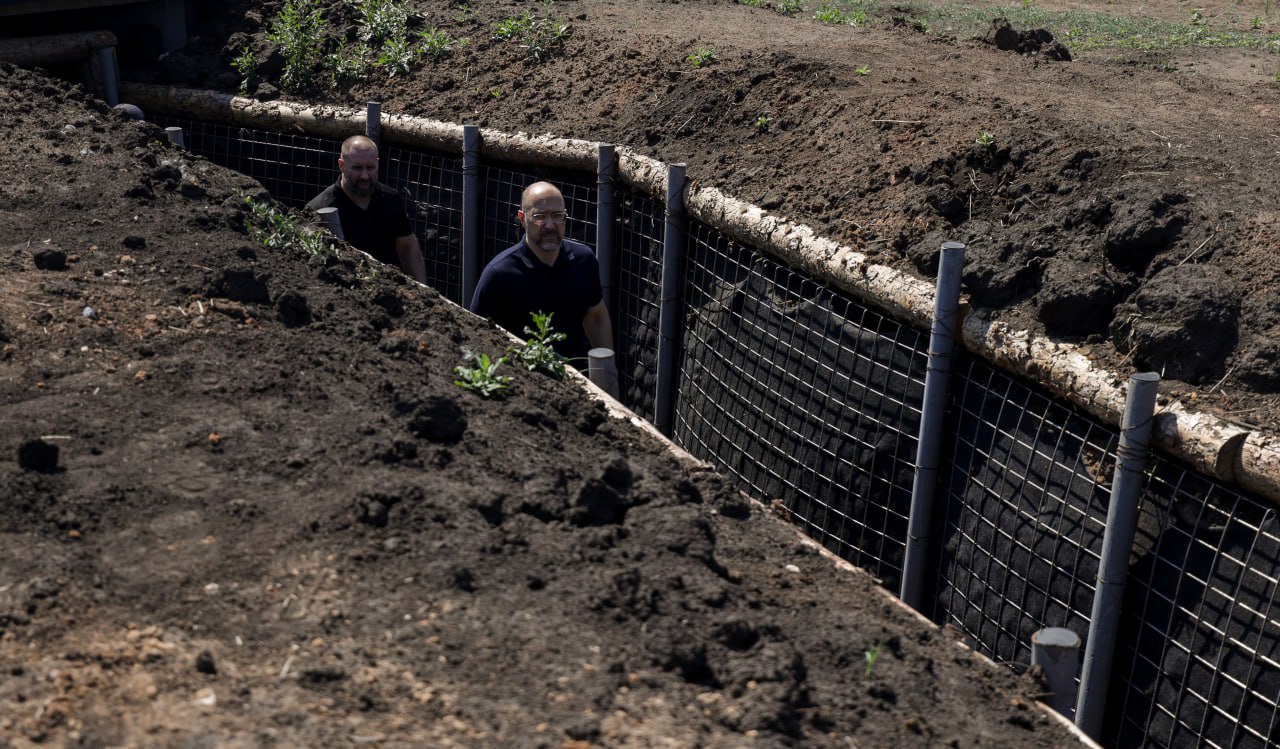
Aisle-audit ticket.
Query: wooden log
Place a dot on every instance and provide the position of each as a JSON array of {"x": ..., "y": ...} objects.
[{"x": 55, "y": 49}]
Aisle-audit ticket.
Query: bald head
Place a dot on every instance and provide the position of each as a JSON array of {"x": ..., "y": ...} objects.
[
  {"x": 357, "y": 143},
  {"x": 539, "y": 191}
]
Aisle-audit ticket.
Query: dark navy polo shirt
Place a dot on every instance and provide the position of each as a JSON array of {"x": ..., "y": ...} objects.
[
  {"x": 374, "y": 229},
  {"x": 515, "y": 284}
]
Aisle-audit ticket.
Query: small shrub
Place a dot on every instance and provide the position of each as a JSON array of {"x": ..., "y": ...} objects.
[
  {"x": 299, "y": 31},
  {"x": 277, "y": 230},
  {"x": 436, "y": 44},
  {"x": 482, "y": 378},
  {"x": 538, "y": 353},
  {"x": 985, "y": 139},
  {"x": 700, "y": 57},
  {"x": 247, "y": 66},
  {"x": 539, "y": 36},
  {"x": 788, "y": 7}
]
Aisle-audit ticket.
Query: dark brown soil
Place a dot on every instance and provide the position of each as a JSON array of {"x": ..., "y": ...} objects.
[{"x": 244, "y": 504}]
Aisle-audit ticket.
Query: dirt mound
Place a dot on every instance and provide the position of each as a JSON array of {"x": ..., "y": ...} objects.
[{"x": 247, "y": 506}]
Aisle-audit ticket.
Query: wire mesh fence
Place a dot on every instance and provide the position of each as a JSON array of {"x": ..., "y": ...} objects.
[
  {"x": 1198, "y": 652},
  {"x": 811, "y": 398},
  {"x": 804, "y": 395},
  {"x": 1022, "y": 507}
]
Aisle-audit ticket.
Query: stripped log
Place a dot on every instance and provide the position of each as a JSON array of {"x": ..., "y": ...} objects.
[
  {"x": 1221, "y": 449},
  {"x": 56, "y": 49}
]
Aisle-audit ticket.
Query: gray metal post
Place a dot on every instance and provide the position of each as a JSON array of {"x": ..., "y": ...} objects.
[
  {"x": 1057, "y": 651},
  {"x": 669, "y": 313},
  {"x": 373, "y": 123},
  {"x": 174, "y": 134},
  {"x": 110, "y": 82},
  {"x": 1117, "y": 543},
  {"x": 932, "y": 413},
  {"x": 472, "y": 192},
  {"x": 606, "y": 175}
]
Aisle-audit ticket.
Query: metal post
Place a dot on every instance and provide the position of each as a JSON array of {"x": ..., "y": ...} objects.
[
  {"x": 1057, "y": 651},
  {"x": 606, "y": 175},
  {"x": 472, "y": 192},
  {"x": 332, "y": 221},
  {"x": 669, "y": 313},
  {"x": 373, "y": 123},
  {"x": 174, "y": 134},
  {"x": 1117, "y": 543},
  {"x": 932, "y": 414},
  {"x": 110, "y": 82}
]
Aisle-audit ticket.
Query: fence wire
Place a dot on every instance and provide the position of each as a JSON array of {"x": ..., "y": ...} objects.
[
  {"x": 1022, "y": 502},
  {"x": 812, "y": 399},
  {"x": 1197, "y": 659},
  {"x": 641, "y": 221},
  {"x": 804, "y": 395}
]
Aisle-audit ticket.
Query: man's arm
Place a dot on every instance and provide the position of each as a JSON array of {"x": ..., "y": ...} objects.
[
  {"x": 598, "y": 326},
  {"x": 410, "y": 255}
]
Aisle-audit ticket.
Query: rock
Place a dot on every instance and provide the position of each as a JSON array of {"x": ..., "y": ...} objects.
[
  {"x": 51, "y": 259},
  {"x": 38, "y": 455}
]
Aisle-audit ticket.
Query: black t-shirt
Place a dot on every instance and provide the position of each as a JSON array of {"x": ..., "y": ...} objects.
[
  {"x": 374, "y": 229},
  {"x": 515, "y": 284}
]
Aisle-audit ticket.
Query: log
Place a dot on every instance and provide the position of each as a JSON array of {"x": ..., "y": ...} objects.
[{"x": 56, "y": 49}]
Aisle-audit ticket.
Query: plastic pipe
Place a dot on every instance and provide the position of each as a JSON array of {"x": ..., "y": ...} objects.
[
  {"x": 1117, "y": 543},
  {"x": 669, "y": 312},
  {"x": 332, "y": 221},
  {"x": 110, "y": 83},
  {"x": 472, "y": 192},
  {"x": 602, "y": 370},
  {"x": 1056, "y": 650},
  {"x": 373, "y": 122},
  {"x": 174, "y": 134},
  {"x": 937, "y": 379},
  {"x": 606, "y": 177}
]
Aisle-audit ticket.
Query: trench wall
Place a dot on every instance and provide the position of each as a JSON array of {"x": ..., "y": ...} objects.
[{"x": 810, "y": 398}]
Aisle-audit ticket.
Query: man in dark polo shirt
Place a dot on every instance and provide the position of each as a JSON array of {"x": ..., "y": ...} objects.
[
  {"x": 373, "y": 215},
  {"x": 547, "y": 273}
]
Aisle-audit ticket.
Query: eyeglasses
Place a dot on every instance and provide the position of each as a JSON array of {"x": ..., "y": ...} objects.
[{"x": 556, "y": 217}]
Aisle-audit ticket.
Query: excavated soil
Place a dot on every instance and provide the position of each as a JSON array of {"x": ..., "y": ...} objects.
[{"x": 245, "y": 505}]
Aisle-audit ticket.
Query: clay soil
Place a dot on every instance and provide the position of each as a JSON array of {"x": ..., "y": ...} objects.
[{"x": 245, "y": 505}]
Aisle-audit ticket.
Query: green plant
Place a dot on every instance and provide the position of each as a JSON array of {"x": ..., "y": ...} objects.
[
  {"x": 396, "y": 57},
  {"x": 349, "y": 64},
  {"x": 762, "y": 124},
  {"x": 700, "y": 57},
  {"x": 862, "y": 70},
  {"x": 539, "y": 354},
  {"x": 278, "y": 230},
  {"x": 872, "y": 655},
  {"x": 751, "y": 3},
  {"x": 985, "y": 139},
  {"x": 836, "y": 16},
  {"x": 495, "y": 93},
  {"x": 788, "y": 7},
  {"x": 482, "y": 378},
  {"x": 382, "y": 20},
  {"x": 436, "y": 44},
  {"x": 247, "y": 66},
  {"x": 299, "y": 31},
  {"x": 538, "y": 36}
]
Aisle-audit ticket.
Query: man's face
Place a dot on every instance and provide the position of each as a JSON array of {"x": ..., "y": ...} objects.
[
  {"x": 359, "y": 171},
  {"x": 544, "y": 219}
]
